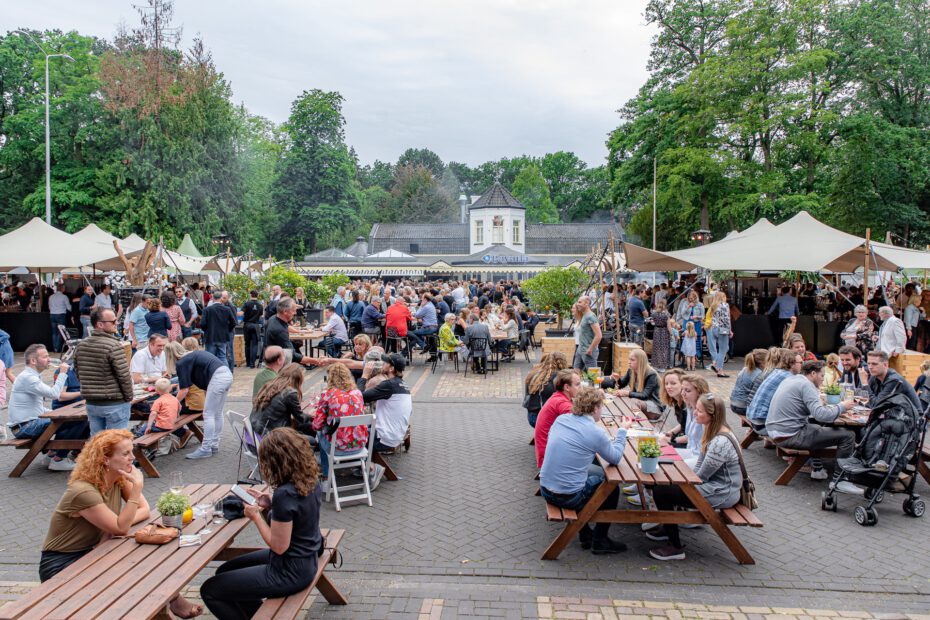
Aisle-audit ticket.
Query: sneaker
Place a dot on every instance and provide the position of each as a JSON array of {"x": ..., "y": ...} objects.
[
  {"x": 607, "y": 546},
  {"x": 819, "y": 474},
  {"x": 200, "y": 453},
  {"x": 657, "y": 534},
  {"x": 585, "y": 536},
  {"x": 648, "y": 526},
  {"x": 376, "y": 474},
  {"x": 849, "y": 488},
  {"x": 61, "y": 465},
  {"x": 630, "y": 490},
  {"x": 324, "y": 486},
  {"x": 635, "y": 500},
  {"x": 668, "y": 553}
]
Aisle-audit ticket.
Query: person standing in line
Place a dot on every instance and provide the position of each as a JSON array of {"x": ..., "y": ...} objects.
[
  {"x": 84, "y": 307},
  {"x": 589, "y": 337},
  {"x": 58, "y": 307},
  {"x": 252, "y": 312},
  {"x": 103, "y": 372}
]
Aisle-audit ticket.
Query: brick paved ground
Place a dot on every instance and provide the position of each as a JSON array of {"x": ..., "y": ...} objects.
[{"x": 462, "y": 533}]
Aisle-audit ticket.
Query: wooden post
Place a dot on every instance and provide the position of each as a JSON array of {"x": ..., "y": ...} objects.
[
  {"x": 613, "y": 268},
  {"x": 865, "y": 281},
  {"x": 600, "y": 286}
]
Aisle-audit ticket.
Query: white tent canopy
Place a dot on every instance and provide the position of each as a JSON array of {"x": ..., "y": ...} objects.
[
  {"x": 800, "y": 244},
  {"x": 38, "y": 246},
  {"x": 905, "y": 258}
]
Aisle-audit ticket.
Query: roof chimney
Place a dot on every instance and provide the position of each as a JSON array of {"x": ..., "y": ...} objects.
[{"x": 463, "y": 208}]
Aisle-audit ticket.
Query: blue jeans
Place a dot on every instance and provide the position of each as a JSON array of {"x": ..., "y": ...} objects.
[
  {"x": 231, "y": 354},
  {"x": 68, "y": 430},
  {"x": 578, "y": 499},
  {"x": 718, "y": 343},
  {"x": 218, "y": 349},
  {"x": 324, "y": 453},
  {"x": 332, "y": 348},
  {"x": 56, "y": 320},
  {"x": 85, "y": 324},
  {"x": 105, "y": 417},
  {"x": 417, "y": 335}
]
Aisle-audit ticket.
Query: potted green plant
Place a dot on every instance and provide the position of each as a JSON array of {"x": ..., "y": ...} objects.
[
  {"x": 832, "y": 392},
  {"x": 172, "y": 507},
  {"x": 649, "y": 453},
  {"x": 555, "y": 289}
]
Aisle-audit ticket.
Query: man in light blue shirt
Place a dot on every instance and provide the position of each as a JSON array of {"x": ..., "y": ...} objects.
[
  {"x": 27, "y": 403},
  {"x": 427, "y": 315},
  {"x": 568, "y": 479},
  {"x": 335, "y": 328},
  {"x": 787, "y": 308}
]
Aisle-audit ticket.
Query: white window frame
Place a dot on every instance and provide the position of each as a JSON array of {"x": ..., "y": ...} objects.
[
  {"x": 479, "y": 231},
  {"x": 516, "y": 233}
]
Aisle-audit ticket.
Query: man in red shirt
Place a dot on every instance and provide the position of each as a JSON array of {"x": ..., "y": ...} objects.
[
  {"x": 567, "y": 383},
  {"x": 397, "y": 316}
]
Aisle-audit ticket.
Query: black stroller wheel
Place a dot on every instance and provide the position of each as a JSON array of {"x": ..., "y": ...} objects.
[
  {"x": 827, "y": 502},
  {"x": 865, "y": 516},
  {"x": 878, "y": 495},
  {"x": 914, "y": 507}
]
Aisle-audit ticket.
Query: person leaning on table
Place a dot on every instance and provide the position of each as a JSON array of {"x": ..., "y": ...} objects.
[
  {"x": 568, "y": 479},
  {"x": 103, "y": 499},
  {"x": 291, "y": 531}
]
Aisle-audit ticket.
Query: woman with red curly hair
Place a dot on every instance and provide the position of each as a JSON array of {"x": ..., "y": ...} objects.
[
  {"x": 292, "y": 531},
  {"x": 103, "y": 499}
]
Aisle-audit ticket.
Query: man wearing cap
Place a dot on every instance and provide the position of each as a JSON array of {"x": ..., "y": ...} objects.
[{"x": 393, "y": 405}]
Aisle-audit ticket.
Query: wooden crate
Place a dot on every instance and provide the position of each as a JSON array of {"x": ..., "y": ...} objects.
[
  {"x": 565, "y": 345},
  {"x": 908, "y": 364},
  {"x": 622, "y": 352},
  {"x": 239, "y": 349},
  {"x": 127, "y": 347}
]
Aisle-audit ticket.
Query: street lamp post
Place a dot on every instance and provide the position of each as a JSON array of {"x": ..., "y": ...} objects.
[{"x": 48, "y": 156}]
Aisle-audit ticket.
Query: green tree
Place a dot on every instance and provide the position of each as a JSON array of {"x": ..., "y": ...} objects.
[
  {"x": 422, "y": 158},
  {"x": 417, "y": 197},
  {"x": 315, "y": 169},
  {"x": 530, "y": 189}
]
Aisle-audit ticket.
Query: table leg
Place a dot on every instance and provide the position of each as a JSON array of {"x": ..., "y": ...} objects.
[
  {"x": 388, "y": 472},
  {"x": 198, "y": 432},
  {"x": 329, "y": 591},
  {"x": 144, "y": 463},
  {"x": 793, "y": 468},
  {"x": 584, "y": 515},
  {"x": 714, "y": 520},
  {"x": 750, "y": 437},
  {"x": 37, "y": 446}
]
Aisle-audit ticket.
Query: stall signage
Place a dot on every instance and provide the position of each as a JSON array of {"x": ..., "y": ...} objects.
[{"x": 505, "y": 260}]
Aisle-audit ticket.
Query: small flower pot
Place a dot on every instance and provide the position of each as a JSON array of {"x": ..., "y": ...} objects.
[
  {"x": 833, "y": 399},
  {"x": 648, "y": 464},
  {"x": 175, "y": 521}
]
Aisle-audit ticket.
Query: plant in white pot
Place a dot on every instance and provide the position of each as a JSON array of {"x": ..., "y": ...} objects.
[
  {"x": 649, "y": 453},
  {"x": 171, "y": 506}
]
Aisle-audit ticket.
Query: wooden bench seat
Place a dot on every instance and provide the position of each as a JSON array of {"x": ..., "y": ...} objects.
[
  {"x": 290, "y": 607},
  {"x": 799, "y": 459},
  {"x": 149, "y": 441},
  {"x": 554, "y": 513},
  {"x": 21, "y": 444},
  {"x": 751, "y": 434},
  {"x": 740, "y": 515}
]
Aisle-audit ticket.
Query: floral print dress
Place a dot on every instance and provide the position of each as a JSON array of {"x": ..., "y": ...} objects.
[{"x": 335, "y": 403}]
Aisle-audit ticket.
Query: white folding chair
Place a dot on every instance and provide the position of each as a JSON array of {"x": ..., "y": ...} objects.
[
  {"x": 359, "y": 458},
  {"x": 248, "y": 442}
]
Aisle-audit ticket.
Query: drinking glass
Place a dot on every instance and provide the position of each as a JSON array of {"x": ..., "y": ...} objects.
[
  {"x": 218, "y": 518},
  {"x": 204, "y": 511},
  {"x": 176, "y": 482}
]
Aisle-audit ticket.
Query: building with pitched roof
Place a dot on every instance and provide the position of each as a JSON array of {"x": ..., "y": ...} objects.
[{"x": 492, "y": 242}]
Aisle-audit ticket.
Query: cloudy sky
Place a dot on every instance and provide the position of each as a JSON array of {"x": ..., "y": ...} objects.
[{"x": 474, "y": 80}]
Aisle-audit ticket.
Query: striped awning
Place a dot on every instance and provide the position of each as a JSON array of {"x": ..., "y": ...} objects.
[
  {"x": 402, "y": 273},
  {"x": 352, "y": 272}
]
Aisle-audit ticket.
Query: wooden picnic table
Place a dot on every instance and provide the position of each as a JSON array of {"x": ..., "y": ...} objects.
[
  {"x": 77, "y": 412},
  {"x": 304, "y": 334},
  {"x": 626, "y": 472},
  {"x": 123, "y": 579}
]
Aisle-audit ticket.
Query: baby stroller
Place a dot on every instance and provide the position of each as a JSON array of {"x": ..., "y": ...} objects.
[{"x": 886, "y": 459}]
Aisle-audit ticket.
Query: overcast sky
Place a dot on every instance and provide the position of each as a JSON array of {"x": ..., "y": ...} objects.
[{"x": 473, "y": 80}]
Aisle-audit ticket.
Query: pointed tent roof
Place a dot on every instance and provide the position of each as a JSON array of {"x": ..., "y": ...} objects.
[
  {"x": 800, "y": 244},
  {"x": 187, "y": 247},
  {"x": 92, "y": 232},
  {"x": 36, "y": 245},
  {"x": 496, "y": 197}
]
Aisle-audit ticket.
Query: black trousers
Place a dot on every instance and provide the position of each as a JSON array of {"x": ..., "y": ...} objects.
[
  {"x": 53, "y": 562},
  {"x": 251, "y": 332},
  {"x": 238, "y": 587},
  {"x": 669, "y": 497}
]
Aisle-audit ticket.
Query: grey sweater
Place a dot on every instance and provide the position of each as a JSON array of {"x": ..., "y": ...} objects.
[
  {"x": 795, "y": 400},
  {"x": 718, "y": 467}
]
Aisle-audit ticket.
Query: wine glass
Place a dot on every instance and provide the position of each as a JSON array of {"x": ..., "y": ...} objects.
[
  {"x": 176, "y": 482},
  {"x": 204, "y": 510}
]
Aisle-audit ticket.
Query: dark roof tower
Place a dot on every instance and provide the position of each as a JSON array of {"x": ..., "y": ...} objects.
[{"x": 496, "y": 198}]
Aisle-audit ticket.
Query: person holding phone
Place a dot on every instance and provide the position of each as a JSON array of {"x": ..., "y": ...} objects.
[{"x": 291, "y": 531}]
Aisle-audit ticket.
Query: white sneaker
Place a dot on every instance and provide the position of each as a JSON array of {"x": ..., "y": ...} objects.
[
  {"x": 635, "y": 500},
  {"x": 849, "y": 488},
  {"x": 324, "y": 486},
  {"x": 376, "y": 474},
  {"x": 819, "y": 474},
  {"x": 61, "y": 465},
  {"x": 630, "y": 490},
  {"x": 649, "y": 526}
]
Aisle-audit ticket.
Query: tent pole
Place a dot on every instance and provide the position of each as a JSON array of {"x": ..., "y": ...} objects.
[
  {"x": 865, "y": 283},
  {"x": 600, "y": 286},
  {"x": 613, "y": 269}
]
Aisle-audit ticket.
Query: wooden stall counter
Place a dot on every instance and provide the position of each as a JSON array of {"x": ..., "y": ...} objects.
[{"x": 908, "y": 364}]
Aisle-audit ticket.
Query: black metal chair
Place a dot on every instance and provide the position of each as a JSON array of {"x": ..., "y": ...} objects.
[
  {"x": 480, "y": 345},
  {"x": 393, "y": 341}
]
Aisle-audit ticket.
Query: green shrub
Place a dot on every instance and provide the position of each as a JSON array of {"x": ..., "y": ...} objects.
[
  {"x": 170, "y": 504},
  {"x": 555, "y": 289},
  {"x": 649, "y": 450}
]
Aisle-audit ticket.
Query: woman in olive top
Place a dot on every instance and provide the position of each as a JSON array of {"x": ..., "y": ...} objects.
[{"x": 103, "y": 499}]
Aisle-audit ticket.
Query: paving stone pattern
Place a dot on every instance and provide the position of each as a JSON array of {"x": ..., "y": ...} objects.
[{"x": 461, "y": 534}]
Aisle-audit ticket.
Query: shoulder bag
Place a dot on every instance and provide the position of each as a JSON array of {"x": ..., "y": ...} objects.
[
  {"x": 153, "y": 534},
  {"x": 747, "y": 494}
]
